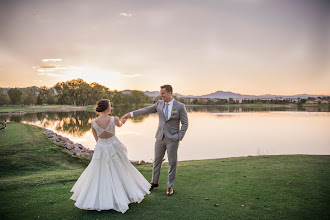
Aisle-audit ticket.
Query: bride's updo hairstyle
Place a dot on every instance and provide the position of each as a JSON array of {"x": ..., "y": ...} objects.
[{"x": 102, "y": 105}]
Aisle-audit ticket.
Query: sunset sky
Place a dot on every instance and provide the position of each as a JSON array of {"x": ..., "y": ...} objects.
[{"x": 199, "y": 46}]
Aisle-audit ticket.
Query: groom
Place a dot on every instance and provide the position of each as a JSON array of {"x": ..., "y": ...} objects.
[{"x": 168, "y": 135}]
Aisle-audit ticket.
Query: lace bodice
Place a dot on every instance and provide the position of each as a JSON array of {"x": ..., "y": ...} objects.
[{"x": 110, "y": 129}]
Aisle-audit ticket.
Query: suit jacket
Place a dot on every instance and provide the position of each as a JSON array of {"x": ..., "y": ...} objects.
[{"x": 169, "y": 128}]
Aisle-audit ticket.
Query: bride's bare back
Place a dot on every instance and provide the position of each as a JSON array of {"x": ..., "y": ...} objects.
[{"x": 104, "y": 127}]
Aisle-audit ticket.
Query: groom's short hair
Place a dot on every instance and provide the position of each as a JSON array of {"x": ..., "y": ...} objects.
[{"x": 168, "y": 88}]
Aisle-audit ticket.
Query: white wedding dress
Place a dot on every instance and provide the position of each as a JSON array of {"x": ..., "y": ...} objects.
[{"x": 110, "y": 181}]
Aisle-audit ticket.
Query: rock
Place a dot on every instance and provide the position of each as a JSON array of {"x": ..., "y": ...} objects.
[
  {"x": 142, "y": 161},
  {"x": 69, "y": 146},
  {"x": 75, "y": 148},
  {"x": 134, "y": 161}
]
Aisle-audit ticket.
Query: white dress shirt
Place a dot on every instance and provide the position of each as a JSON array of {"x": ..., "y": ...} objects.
[{"x": 170, "y": 106}]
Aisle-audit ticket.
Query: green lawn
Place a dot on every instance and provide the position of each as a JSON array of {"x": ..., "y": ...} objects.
[
  {"x": 37, "y": 175},
  {"x": 32, "y": 108}
]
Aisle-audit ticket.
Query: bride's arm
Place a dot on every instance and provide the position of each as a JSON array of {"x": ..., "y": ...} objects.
[
  {"x": 120, "y": 122},
  {"x": 94, "y": 133}
]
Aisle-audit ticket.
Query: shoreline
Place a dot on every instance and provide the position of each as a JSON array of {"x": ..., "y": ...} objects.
[
  {"x": 76, "y": 149},
  {"x": 65, "y": 109},
  {"x": 18, "y": 110}
]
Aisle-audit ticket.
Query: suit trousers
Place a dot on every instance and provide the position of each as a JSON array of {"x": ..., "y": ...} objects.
[{"x": 172, "y": 151}]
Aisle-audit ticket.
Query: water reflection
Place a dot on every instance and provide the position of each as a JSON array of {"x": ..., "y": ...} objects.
[
  {"x": 75, "y": 123},
  {"x": 214, "y": 131},
  {"x": 256, "y": 108},
  {"x": 79, "y": 122}
]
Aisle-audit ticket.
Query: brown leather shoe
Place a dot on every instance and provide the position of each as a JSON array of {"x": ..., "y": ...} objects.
[
  {"x": 153, "y": 185},
  {"x": 170, "y": 191}
]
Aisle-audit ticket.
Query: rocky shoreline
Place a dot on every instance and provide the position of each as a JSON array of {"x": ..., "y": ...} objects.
[{"x": 76, "y": 149}]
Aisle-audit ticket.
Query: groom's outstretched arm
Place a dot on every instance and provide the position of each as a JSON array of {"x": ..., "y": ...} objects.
[
  {"x": 146, "y": 110},
  {"x": 184, "y": 123}
]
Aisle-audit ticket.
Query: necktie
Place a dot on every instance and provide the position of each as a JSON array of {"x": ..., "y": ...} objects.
[{"x": 166, "y": 111}]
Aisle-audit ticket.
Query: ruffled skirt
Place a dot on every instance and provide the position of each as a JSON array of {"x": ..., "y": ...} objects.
[{"x": 110, "y": 181}]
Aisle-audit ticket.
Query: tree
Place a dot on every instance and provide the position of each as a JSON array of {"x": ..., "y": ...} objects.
[
  {"x": 46, "y": 95},
  {"x": 73, "y": 92},
  {"x": 98, "y": 92},
  {"x": 181, "y": 99},
  {"x": 138, "y": 97},
  {"x": 39, "y": 100},
  {"x": 15, "y": 96},
  {"x": 221, "y": 101},
  {"x": 4, "y": 98},
  {"x": 30, "y": 99},
  {"x": 117, "y": 98},
  {"x": 30, "y": 96},
  {"x": 79, "y": 92}
]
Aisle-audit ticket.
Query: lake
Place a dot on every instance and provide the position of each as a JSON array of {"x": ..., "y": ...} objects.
[{"x": 214, "y": 132}]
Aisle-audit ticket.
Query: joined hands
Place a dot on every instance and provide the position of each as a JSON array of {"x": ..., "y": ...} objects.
[{"x": 125, "y": 117}]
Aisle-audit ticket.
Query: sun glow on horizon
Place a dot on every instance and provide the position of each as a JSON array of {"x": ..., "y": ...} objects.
[{"x": 266, "y": 48}]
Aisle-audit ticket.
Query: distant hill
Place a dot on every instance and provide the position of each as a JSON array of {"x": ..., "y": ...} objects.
[
  {"x": 227, "y": 95},
  {"x": 155, "y": 94},
  {"x": 215, "y": 95},
  {"x": 151, "y": 94},
  {"x": 127, "y": 91}
]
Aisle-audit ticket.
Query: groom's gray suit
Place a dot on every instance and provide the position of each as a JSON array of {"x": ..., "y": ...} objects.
[{"x": 168, "y": 136}]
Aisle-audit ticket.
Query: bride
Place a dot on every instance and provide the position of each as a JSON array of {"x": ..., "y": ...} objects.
[{"x": 110, "y": 181}]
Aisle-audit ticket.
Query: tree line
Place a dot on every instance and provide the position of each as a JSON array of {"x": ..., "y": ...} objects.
[
  {"x": 74, "y": 92},
  {"x": 80, "y": 93}
]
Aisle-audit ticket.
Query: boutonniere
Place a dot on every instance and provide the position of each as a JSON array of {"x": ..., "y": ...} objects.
[{"x": 174, "y": 112}]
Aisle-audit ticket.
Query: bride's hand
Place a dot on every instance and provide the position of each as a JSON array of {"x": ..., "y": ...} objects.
[
  {"x": 123, "y": 120},
  {"x": 127, "y": 115}
]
